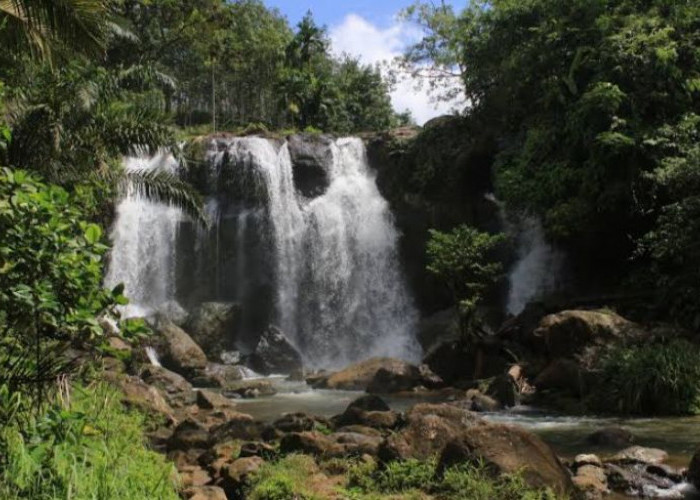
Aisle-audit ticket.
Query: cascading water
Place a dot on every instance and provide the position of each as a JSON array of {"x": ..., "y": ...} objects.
[
  {"x": 325, "y": 268},
  {"x": 144, "y": 237},
  {"x": 539, "y": 267}
]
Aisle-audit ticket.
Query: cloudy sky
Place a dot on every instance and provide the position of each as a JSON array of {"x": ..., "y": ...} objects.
[{"x": 369, "y": 29}]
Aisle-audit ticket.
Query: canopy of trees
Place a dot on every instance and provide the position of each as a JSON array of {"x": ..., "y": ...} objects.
[{"x": 591, "y": 110}]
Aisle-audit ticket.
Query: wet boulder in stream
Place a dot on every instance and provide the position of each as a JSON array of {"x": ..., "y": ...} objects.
[{"x": 275, "y": 354}]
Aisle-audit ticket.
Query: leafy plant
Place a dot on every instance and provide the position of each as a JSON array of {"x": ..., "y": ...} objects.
[
  {"x": 464, "y": 260},
  {"x": 91, "y": 447},
  {"x": 50, "y": 282},
  {"x": 651, "y": 379}
]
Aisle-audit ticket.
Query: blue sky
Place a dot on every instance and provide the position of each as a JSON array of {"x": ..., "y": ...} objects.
[
  {"x": 329, "y": 12},
  {"x": 369, "y": 30}
]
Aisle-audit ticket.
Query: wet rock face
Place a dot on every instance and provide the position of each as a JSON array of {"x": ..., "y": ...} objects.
[
  {"x": 275, "y": 354},
  {"x": 179, "y": 351},
  {"x": 214, "y": 326},
  {"x": 312, "y": 159}
]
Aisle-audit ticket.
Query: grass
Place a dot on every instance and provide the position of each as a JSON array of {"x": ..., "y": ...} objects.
[
  {"x": 91, "y": 449},
  {"x": 651, "y": 379},
  {"x": 299, "y": 477}
]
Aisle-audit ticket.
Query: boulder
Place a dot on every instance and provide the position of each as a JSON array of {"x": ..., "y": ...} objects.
[
  {"x": 178, "y": 391},
  {"x": 369, "y": 402},
  {"x": 458, "y": 360},
  {"x": 639, "y": 454},
  {"x": 633, "y": 479},
  {"x": 214, "y": 326},
  {"x": 476, "y": 401},
  {"x": 360, "y": 376},
  {"x": 567, "y": 334},
  {"x": 587, "y": 459},
  {"x": 209, "y": 400},
  {"x": 218, "y": 375},
  {"x": 611, "y": 437},
  {"x": 205, "y": 493},
  {"x": 117, "y": 344},
  {"x": 174, "y": 312},
  {"x": 508, "y": 449},
  {"x": 177, "y": 350},
  {"x": 249, "y": 389},
  {"x": 193, "y": 476},
  {"x": 357, "y": 444},
  {"x": 258, "y": 449},
  {"x": 294, "y": 422},
  {"x": 694, "y": 469},
  {"x": 275, "y": 354},
  {"x": 141, "y": 395},
  {"x": 239, "y": 426},
  {"x": 235, "y": 476},
  {"x": 564, "y": 376},
  {"x": 397, "y": 378},
  {"x": 312, "y": 160},
  {"x": 591, "y": 481},
  {"x": 310, "y": 443},
  {"x": 429, "y": 427},
  {"x": 189, "y": 435}
]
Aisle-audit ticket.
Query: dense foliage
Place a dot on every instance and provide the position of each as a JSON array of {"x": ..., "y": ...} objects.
[
  {"x": 50, "y": 282},
  {"x": 85, "y": 448},
  {"x": 233, "y": 63},
  {"x": 651, "y": 379},
  {"x": 591, "y": 110}
]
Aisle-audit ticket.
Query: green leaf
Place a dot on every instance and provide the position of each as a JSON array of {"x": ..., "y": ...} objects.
[{"x": 93, "y": 233}]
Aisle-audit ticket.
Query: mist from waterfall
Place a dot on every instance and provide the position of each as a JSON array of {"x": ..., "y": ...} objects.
[{"x": 330, "y": 262}]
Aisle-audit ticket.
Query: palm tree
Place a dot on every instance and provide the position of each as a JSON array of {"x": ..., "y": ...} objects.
[
  {"x": 38, "y": 26},
  {"x": 74, "y": 124}
]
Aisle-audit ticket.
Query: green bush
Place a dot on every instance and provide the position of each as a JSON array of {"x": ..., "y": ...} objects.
[
  {"x": 51, "y": 263},
  {"x": 415, "y": 479},
  {"x": 283, "y": 480},
  {"x": 651, "y": 379},
  {"x": 90, "y": 448},
  {"x": 475, "y": 483}
]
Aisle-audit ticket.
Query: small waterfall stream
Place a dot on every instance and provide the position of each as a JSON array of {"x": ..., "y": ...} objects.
[{"x": 324, "y": 268}]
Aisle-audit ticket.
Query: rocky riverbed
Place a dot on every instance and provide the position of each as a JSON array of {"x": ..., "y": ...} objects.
[{"x": 219, "y": 422}]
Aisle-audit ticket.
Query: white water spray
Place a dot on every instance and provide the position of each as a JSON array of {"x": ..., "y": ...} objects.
[{"x": 144, "y": 237}]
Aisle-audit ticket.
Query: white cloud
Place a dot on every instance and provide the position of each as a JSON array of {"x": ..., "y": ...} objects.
[{"x": 360, "y": 38}]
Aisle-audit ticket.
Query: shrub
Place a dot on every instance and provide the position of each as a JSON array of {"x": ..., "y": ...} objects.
[
  {"x": 466, "y": 482},
  {"x": 405, "y": 475},
  {"x": 90, "y": 448},
  {"x": 289, "y": 478},
  {"x": 51, "y": 263},
  {"x": 651, "y": 379}
]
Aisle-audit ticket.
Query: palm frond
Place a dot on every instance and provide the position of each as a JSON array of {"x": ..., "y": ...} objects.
[
  {"x": 42, "y": 25},
  {"x": 161, "y": 186}
]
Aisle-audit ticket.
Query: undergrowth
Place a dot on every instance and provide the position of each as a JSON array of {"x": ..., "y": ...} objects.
[
  {"x": 299, "y": 477},
  {"x": 90, "y": 448},
  {"x": 651, "y": 379}
]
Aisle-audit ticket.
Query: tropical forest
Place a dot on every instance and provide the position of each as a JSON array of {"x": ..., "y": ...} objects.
[{"x": 309, "y": 250}]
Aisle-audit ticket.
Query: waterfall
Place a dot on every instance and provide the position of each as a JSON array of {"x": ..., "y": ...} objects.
[
  {"x": 325, "y": 268},
  {"x": 539, "y": 266},
  {"x": 143, "y": 237}
]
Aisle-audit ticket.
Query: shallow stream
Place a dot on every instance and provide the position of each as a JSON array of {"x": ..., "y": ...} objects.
[{"x": 680, "y": 437}]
